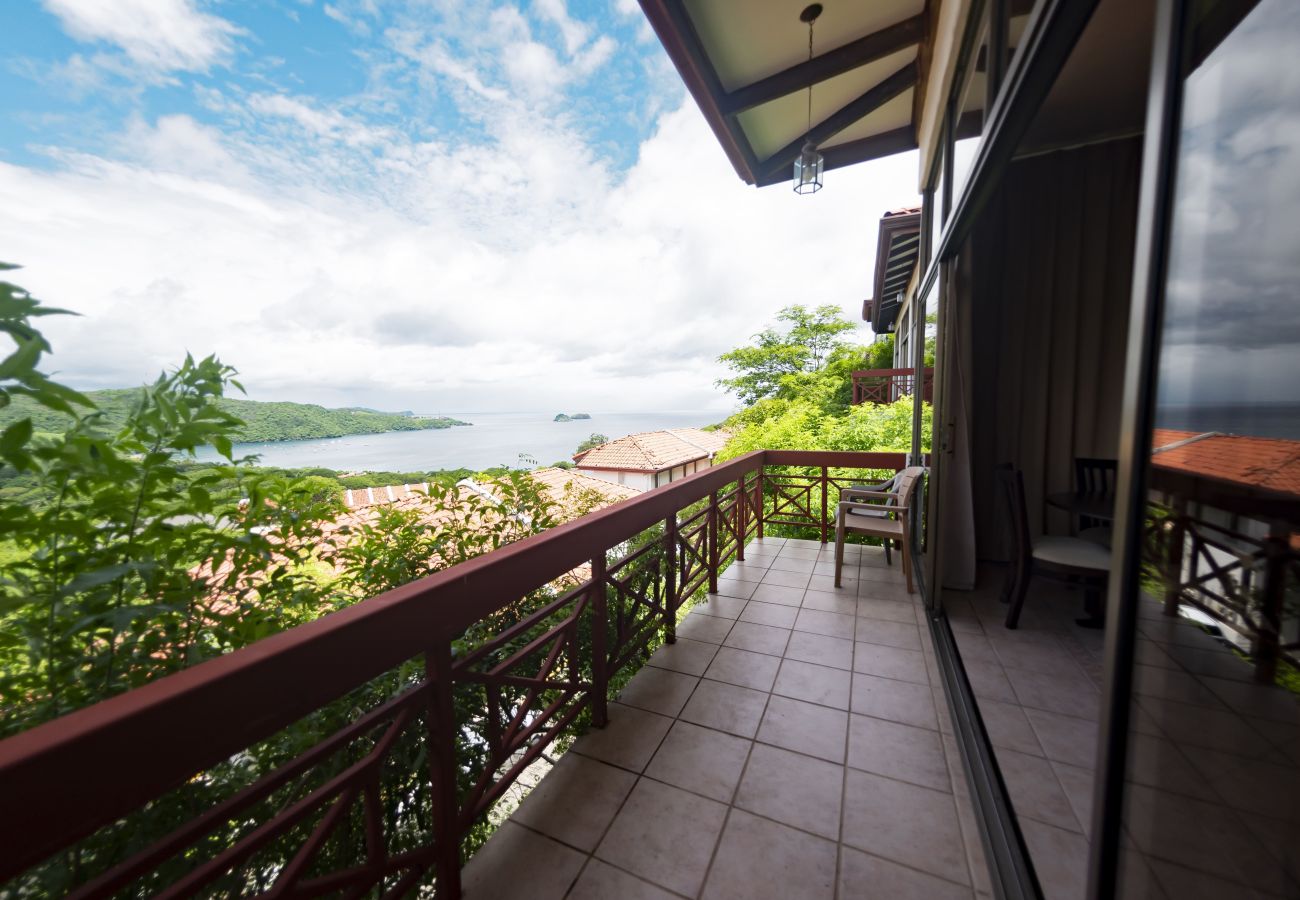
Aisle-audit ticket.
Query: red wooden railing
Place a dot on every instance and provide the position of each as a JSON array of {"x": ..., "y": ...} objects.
[
  {"x": 382, "y": 797},
  {"x": 888, "y": 385}
]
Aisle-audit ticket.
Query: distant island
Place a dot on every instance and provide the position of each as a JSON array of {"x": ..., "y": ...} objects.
[
  {"x": 565, "y": 417},
  {"x": 262, "y": 421}
]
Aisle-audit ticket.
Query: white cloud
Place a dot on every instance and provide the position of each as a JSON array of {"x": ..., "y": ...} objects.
[
  {"x": 517, "y": 275},
  {"x": 503, "y": 264},
  {"x": 158, "y": 35}
]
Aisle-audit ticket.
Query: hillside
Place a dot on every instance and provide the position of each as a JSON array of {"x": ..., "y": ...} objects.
[{"x": 263, "y": 421}]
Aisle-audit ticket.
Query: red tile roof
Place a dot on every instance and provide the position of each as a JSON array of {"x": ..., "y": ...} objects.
[
  {"x": 653, "y": 451},
  {"x": 1271, "y": 463}
]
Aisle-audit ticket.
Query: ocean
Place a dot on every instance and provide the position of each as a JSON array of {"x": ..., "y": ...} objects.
[
  {"x": 520, "y": 440},
  {"x": 1273, "y": 420}
]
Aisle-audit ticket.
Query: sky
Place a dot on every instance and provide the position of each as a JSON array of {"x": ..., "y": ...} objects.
[{"x": 419, "y": 204}]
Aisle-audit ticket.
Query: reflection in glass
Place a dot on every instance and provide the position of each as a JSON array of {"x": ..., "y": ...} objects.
[{"x": 1212, "y": 805}]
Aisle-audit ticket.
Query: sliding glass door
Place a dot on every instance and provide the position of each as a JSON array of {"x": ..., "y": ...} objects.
[{"x": 1208, "y": 804}]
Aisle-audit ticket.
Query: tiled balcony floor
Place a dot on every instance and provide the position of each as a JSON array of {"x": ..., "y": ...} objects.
[
  {"x": 792, "y": 744},
  {"x": 1211, "y": 749}
]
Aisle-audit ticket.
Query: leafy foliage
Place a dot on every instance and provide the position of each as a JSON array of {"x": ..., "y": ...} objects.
[
  {"x": 594, "y": 441},
  {"x": 778, "y": 361}
]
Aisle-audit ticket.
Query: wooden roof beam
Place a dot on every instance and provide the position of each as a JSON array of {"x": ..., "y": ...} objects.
[
  {"x": 875, "y": 46},
  {"x": 842, "y": 118}
]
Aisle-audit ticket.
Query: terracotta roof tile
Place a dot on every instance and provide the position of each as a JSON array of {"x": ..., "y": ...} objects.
[
  {"x": 653, "y": 451},
  {"x": 1271, "y": 463}
]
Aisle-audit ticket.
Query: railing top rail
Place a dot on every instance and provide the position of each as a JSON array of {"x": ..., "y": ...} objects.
[
  {"x": 887, "y": 373},
  {"x": 157, "y": 736}
]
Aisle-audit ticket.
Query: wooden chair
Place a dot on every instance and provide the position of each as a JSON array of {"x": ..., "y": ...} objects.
[
  {"x": 1095, "y": 476},
  {"x": 1062, "y": 558},
  {"x": 878, "y": 513}
]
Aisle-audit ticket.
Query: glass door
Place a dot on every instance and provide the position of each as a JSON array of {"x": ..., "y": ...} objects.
[{"x": 1210, "y": 792}]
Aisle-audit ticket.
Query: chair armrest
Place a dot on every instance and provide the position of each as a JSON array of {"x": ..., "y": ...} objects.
[
  {"x": 867, "y": 496},
  {"x": 880, "y": 510}
]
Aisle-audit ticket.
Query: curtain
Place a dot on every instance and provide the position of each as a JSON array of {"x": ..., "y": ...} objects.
[{"x": 1042, "y": 313}]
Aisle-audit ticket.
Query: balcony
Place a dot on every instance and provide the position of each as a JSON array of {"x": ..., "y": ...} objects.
[
  {"x": 791, "y": 727},
  {"x": 888, "y": 385},
  {"x": 794, "y": 728}
]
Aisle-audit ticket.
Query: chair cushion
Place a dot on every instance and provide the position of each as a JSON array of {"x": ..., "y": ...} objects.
[
  {"x": 1099, "y": 534},
  {"x": 1072, "y": 551},
  {"x": 878, "y": 512}
]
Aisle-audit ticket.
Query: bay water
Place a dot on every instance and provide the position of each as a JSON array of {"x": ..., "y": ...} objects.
[{"x": 519, "y": 440}]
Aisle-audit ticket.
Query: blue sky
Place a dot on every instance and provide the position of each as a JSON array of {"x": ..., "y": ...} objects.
[{"x": 417, "y": 204}]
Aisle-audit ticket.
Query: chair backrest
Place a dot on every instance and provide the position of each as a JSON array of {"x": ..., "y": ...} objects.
[
  {"x": 1093, "y": 475},
  {"x": 1013, "y": 490},
  {"x": 906, "y": 483}
]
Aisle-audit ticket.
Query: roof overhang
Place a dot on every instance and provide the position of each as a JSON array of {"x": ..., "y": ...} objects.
[
  {"x": 897, "y": 250},
  {"x": 747, "y": 66}
]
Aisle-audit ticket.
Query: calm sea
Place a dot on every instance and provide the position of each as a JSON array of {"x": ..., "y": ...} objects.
[
  {"x": 1274, "y": 420},
  {"x": 492, "y": 439}
]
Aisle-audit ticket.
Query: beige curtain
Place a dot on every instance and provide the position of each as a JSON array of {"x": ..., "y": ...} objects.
[{"x": 1043, "y": 299}]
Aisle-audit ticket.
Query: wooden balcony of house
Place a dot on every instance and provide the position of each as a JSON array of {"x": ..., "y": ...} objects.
[
  {"x": 888, "y": 385},
  {"x": 783, "y": 736},
  {"x": 698, "y": 712}
]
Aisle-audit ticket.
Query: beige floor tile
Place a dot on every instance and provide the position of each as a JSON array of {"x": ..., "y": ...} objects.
[
  {"x": 690, "y": 657},
  {"x": 1009, "y": 727},
  {"x": 737, "y": 588},
  {"x": 721, "y": 607},
  {"x": 787, "y": 579},
  {"x": 826, "y": 582},
  {"x": 576, "y": 801},
  {"x": 1048, "y": 655},
  {"x": 842, "y": 603},
  {"x": 600, "y": 881},
  {"x": 628, "y": 741},
  {"x": 828, "y": 623},
  {"x": 758, "y": 638},
  {"x": 898, "y": 701},
  {"x": 873, "y": 589},
  {"x": 813, "y": 683},
  {"x": 518, "y": 863},
  {"x": 775, "y": 593},
  {"x": 665, "y": 835},
  {"x": 888, "y": 610},
  {"x": 805, "y": 728},
  {"x": 792, "y": 788},
  {"x": 773, "y": 614},
  {"x": 990, "y": 681},
  {"x": 701, "y": 760},
  {"x": 784, "y": 563},
  {"x": 726, "y": 707},
  {"x": 904, "y": 823},
  {"x": 759, "y": 859},
  {"x": 1060, "y": 860},
  {"x": 867, "y": 877},
  {"x": 890, "y": 662},
  {"x": 1069, "y": 694},
  {"x": 745, "y": 668},
  {"x": 1077, "y": 784},
  {"x": 1182, "y": 883},
  {"x": 820, "y": 649},
  {"x": 1035, "y": 792},
  {"x": 898, "y": 751},
  {"x": 699, "y": 627},
  {"x": 658, "y": 690},
  {"x": 891, "y": 634},
  {"x": 1066, "y": 739}
]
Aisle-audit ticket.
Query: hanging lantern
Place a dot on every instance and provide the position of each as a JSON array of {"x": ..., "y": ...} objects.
[
  {"x": 808, "y": 170},
  {"x": 809, "y": 163}
]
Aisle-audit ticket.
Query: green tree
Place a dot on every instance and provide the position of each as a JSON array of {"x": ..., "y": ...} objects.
[
  {"x": 809, "y": 341},
  {"x": 594, "y": 441}
]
